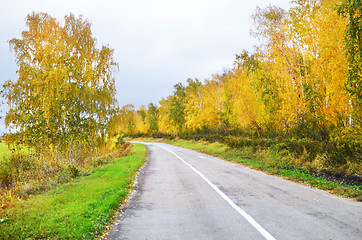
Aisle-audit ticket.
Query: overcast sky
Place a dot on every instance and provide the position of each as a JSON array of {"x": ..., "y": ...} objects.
[{"x": 157, "y": 43}]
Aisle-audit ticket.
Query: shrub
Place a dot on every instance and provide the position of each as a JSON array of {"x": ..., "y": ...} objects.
[
  {"x": 13, "y": 168},
  {"x": 310, "y": 128},
  {"x": 7, "y": 173},
  {"x": 342, "y": 154},
  {"x": 119, "y": 141},
  {"x": 73, "y": 171}
]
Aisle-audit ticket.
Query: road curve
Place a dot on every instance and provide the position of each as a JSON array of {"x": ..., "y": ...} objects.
[{"x": 184, "y": 194}]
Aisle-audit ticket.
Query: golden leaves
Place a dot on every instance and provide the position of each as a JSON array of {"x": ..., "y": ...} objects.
[{"x": 65, "y": 90}]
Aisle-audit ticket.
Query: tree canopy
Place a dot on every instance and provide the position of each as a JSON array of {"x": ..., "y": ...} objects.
[
  {"x": 352, "y": 10},
  {"x": 297, "y": 74},
  {"x": 65, "y": 91}
]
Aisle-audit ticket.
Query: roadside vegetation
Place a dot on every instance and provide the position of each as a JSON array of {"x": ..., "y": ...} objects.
[
  {"x": 293, "y": 108},
  {"x": 60, "y": 107},
  {"x": 293, "y": 104},
  {"x": 279, "y": 163},
  {"x": 63, "y": 169},
  {"x": 80, "y": 209},
  {"x": 274, "y": 162}
]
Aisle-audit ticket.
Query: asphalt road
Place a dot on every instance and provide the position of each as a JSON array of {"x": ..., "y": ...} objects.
[{"x": 183, "y": 194}]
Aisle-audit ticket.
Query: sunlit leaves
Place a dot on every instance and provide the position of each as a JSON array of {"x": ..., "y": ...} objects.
[
  {"x": 65, "y": 91},
  {"x": 296, "y": 75}
]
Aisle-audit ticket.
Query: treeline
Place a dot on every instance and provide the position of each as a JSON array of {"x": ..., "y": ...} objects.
[{"x": 301, "y": 89}]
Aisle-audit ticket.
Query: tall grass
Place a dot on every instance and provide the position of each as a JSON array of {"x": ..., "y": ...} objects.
[{"x": 24, "y": 173}]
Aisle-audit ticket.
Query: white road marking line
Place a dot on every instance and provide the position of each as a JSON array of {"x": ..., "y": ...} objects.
[{"x": 256, "y": 225}]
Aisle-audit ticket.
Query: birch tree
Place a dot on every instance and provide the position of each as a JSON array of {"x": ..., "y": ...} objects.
[{"x": 64, "y": 96}]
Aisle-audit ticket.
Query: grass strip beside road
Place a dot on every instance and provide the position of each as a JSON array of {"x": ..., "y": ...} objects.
[
  {"x": 239, "y": 156},
  {"x": 80, "y": 210}
]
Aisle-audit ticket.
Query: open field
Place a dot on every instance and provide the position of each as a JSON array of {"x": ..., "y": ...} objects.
[
  {"x": 81, "y": 209},
  {"x": 3, "y": 150}
]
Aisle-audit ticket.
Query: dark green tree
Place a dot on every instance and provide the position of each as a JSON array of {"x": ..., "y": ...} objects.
[
  {"x": 152, "y": 119},
  {"x": 177, "y": 108},
  {"x": 352, "y": 10}
]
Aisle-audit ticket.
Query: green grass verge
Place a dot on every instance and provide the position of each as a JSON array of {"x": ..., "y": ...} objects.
[
  {"x": 239, "y": 156},
  {"x": 79, "y": 210}
]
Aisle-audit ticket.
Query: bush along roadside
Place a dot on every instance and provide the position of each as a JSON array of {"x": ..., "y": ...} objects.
[
  {"x": 343, "y": 155},
  {"x": 278, "y": 160},
  {"x": 81, "y": 209}
]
